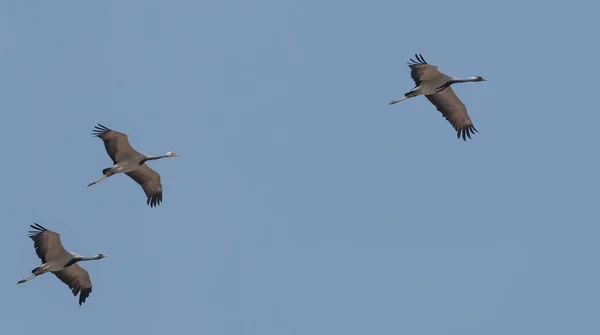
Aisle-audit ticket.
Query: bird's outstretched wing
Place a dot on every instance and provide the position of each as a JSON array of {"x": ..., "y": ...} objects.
[
  {"x": 454, "y": 111},
  {"x": 421, "y": 71},
  {"x": 77, "y": 279},
  {"x": 150, "y": 182},
  {"x": 116, "y": 144},
  {"x": 46, "y": 242}
]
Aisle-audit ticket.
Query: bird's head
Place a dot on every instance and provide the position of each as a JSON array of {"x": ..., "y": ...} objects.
[
  {"x": 477, "y": 78},
  {"x": 171, "y": 154},
  {"x": 100, "y": 256}
]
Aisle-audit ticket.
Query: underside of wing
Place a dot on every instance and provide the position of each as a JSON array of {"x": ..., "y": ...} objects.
[
  {"x": 149, "y": 180},
  {"x": 77, "y": 279},
  {"x": 116, "y": 144},
  {"x": 46, "y": 242},
  {"x": 421, "y": 71},
  {"x": 454, "y": 111}
]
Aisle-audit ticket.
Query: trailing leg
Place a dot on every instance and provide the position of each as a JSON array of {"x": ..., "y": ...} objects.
[
  {"x": 106, "y": 173},
  {"x": 34, "y": 273},
  {"x": 410, "y": 94}
]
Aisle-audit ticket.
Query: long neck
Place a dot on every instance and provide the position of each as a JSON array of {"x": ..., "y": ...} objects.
[
  {"x": 151, "y": 158},
  {"x": 79, "y": 259},
  {"x": 458, "y": 80}
]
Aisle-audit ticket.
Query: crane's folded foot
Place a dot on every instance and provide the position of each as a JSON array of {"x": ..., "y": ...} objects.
[{"x": 21, "y": 281}]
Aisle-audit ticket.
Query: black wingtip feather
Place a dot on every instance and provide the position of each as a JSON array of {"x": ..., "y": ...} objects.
[
  {"x": 154, "y": 200},
  {"x": 39, "y": 226},
  {"x": 38, "y": 229},
  {"x": 420, "y": 60},
  {"x": 466, "y": 132},
  {"x": 99, "y": 130},
  {"x": 84, "y": 294}
]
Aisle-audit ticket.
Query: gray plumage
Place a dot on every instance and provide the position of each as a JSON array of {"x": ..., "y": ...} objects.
[
  {"x": 435, "y": 85},
  {"x": 131, "y": 162},
  {"x": 60, "y": 262}
]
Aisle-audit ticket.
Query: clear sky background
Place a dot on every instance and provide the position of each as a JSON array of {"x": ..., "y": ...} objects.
[{"x": 303, "y": 203}]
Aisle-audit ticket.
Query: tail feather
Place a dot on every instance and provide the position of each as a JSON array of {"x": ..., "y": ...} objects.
[
  {"x": 34, "y": 270},
  {"x": 106, "y": 171}
]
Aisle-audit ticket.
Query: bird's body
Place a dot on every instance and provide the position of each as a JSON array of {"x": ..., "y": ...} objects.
[
  {"x": 60, "y": 262},
  {"x": 127, "y": 166},
  {"x": 131, "y": 162},
  {"x": 435, "y": 85}
]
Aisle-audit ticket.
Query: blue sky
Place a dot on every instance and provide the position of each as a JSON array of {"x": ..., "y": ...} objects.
[{"x": 303, "y": 203}]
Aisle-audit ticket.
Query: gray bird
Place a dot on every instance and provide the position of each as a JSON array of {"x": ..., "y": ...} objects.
[
  {"x": 62, "y": 263},
  {"x": 435, "y": 85},
  {"x": 132, "y": 163}
]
